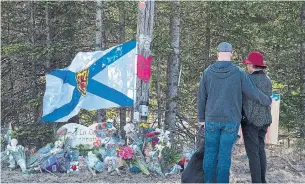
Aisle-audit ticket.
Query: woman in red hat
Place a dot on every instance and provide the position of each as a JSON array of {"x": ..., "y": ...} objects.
[{"x": 256, "y": 118}]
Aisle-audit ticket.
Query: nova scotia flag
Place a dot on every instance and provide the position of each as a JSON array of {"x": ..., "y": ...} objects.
[{"x": 94, "y": 80}]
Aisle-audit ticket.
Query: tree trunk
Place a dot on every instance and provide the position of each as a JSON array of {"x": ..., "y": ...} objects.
[
  {"x": 303, "y": 64},
  {"x": 12, "y": 100},
  {"x": 303, "y": 52},
  {"x": 124, "y": 73},
  {"x": 173, "y": 70},
  {"x": 207, "y": 35},
  {"x": 159, "y": 92},
  {"x": 100, "y": 45},
  {"x": 144, "y": 37},
  {"x": 35, "y": 91},
  {"x": 48, "y": 57}
]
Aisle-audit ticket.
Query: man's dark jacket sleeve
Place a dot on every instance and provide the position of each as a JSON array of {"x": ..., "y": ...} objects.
[{"x": 202, "y": 97}]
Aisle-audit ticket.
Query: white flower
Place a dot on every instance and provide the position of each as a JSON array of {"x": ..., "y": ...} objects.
[
  {"x": 159, "y": 147},
  {"x": 161, "y": 138},
  {"x": 168, "y": 144},
  {"x": 129, "y": 128}
]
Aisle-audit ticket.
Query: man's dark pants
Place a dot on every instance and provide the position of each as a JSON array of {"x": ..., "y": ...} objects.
[{"x": 254, "y": 140}]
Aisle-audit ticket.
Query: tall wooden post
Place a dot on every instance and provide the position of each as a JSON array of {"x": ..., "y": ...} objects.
[
  {"x": 144, "y": 37},
  {"x": 100, "y": 45}
]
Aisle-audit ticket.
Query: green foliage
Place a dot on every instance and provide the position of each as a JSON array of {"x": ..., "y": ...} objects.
[
  {"x": 10, "y": 49},
  {"x": 84, "y": 149},
  {"x": 14, "y": 135},
  {"x": 170, "y": 157},
  {"x": 41, "y": 137}
]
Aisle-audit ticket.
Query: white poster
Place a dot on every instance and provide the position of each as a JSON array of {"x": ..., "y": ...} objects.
[{"x": 80, "y": 133}]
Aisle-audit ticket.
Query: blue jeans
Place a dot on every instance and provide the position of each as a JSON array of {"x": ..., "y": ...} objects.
[{"x": 219, "y": 140}]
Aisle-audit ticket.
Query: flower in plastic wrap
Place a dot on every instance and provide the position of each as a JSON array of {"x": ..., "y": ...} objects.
[
  {"x": 59, "y": 144},
  {"x": 164, "y": 136},
  {"x": 129, "y": 128},
  {"x": 159, "y": 147},
  {"x": 134, "y": 148},
  {"x": 126, "y": 153}
]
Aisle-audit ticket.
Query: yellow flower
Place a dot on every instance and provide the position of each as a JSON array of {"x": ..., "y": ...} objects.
[
  {"x": 144, "y": 125},
  {"x": 117, "y": 149}
]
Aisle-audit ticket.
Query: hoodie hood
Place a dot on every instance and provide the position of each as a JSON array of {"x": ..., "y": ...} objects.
[{"x": 223, "y": 69}]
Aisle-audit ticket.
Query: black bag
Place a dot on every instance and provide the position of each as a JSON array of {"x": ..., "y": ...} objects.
[{"x": 193, "y": 173}]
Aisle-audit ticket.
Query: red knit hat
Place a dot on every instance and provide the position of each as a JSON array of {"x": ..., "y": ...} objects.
[{"x": 256, "y": 59}]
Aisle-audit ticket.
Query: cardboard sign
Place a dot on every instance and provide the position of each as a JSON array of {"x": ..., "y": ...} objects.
[{"x": 273, "y": 130}]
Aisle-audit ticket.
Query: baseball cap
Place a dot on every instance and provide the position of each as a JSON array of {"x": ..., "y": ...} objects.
[{"x": 224, "y": 47}]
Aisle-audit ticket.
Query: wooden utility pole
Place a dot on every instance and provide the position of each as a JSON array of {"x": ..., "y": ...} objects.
[
  {"x": 100, "y": 45},
  {"x": 144, "y": 37},
  {"x": 124, "y": 72}
]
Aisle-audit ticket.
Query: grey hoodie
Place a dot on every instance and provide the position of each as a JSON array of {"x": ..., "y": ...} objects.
[{"x": 220, "y": 93}]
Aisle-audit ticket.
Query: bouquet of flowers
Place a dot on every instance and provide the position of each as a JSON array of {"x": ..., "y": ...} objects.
[{"x": 127, "y": 154}]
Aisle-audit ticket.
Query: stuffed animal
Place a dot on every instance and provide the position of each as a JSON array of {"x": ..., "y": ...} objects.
[
  {"x": 16, "y": 156},
  {"x": 73, "y": 167},
  {"x": 112, "y": 164}
]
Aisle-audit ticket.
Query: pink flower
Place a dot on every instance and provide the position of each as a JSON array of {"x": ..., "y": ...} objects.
[
  {"x": 62, "y": 131},
  {"x": 98, "y": 143},
  {"x": 152, "y": 134},
  {"x": 126, "y": 153}
]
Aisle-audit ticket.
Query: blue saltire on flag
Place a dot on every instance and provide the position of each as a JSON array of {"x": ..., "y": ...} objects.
[{"x": 94, "y": 80}]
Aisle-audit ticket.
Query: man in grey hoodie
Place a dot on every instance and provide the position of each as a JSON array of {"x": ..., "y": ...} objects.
[{"x": 220, "y": 110}]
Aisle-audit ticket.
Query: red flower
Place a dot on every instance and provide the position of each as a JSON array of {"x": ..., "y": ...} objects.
[
  {"x": 152, "y": 134},
  {"x": 73, "y": 167},
  {"x": 104, "y": 125},
  {"x": 126, "y": 153}
]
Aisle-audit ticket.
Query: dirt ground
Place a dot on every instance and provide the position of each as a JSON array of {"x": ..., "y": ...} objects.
[{"x": 283, "y": 167}]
